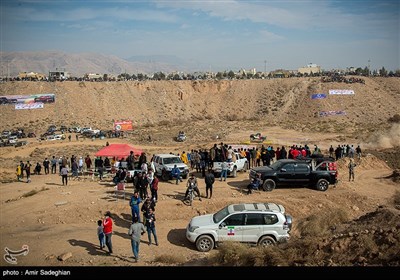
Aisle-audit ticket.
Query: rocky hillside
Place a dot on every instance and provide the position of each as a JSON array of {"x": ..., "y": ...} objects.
[{"x": 283, "y": 102}]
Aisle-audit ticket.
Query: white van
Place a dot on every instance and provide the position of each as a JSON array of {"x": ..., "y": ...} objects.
[{"x": 255, "y": 223}]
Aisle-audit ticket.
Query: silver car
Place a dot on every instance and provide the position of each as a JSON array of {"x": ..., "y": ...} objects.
[{"x": 255, "y": 223}]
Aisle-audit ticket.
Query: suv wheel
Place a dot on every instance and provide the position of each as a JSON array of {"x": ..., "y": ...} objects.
[
  {"x": 164, "y": 175},
  {"x": 204, "y": 243},
  {"x": 269, "y": 185},
  {"x": 266, "y": 241},
  {"x": 322, "y": 185}
]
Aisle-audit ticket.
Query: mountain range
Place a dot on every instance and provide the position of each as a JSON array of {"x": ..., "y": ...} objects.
[{"x": 77, "y": 64}]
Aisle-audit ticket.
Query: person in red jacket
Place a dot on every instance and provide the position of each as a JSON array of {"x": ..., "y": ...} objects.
[{"x": 108, "y": 224}]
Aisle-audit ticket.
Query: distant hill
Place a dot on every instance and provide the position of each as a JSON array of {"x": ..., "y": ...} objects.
[
  {"x": 80, "y": 63},
  {"x": 276, "y": 102}
]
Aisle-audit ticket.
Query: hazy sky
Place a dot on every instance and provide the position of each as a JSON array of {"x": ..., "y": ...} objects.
[{"x": 220, "y": 34}]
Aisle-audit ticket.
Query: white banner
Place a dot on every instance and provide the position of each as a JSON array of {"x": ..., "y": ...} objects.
[
  {"x": 22, "y": 106},
  {"x": 341, "y": 91}
]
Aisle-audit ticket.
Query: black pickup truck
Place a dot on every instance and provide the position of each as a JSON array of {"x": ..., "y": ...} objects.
[{"x": 318, "y": 173}]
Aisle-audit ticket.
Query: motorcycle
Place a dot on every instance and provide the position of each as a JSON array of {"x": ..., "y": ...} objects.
[{"x": 191, "y": 194}]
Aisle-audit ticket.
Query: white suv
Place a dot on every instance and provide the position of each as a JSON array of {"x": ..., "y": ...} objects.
[
  {"x": 164, "y": 163},
  {"x": 257, "y": 223}
]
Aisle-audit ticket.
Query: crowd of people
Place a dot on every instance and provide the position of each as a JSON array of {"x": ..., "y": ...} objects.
[{"x": 143, "y": 202}]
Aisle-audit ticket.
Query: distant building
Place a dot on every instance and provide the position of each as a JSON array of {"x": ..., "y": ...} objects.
[
  {"x": 280, "y": 73},
  {"x": 92, "y": 76},
  {"x": 59, "y": 74},
  {"x": 310, "y": 68},
  {"x": 32, "y": 76},
  {"x": 244, "y": 72}
]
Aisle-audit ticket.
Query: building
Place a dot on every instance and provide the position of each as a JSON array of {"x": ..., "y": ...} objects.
[
  {"x": 310, "y": 68},
  {"x": 59, "y": 74},
  {"x": 92, "y": 76},
  {"x": 31, "y": 76}
]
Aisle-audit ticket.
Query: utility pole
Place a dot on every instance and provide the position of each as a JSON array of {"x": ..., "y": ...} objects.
[
  {"x": 265, "y": 67},
  {"x": 369, "y": 67}
]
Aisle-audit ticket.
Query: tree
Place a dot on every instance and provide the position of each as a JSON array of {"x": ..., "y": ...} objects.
[
  {"x": 383, "y": 72},
  {"x": 359, "y": 71},
  {"x": 231, "y": 75},
  {"x": 366, "y": 71},
  {"x": 140, "y": 76}
]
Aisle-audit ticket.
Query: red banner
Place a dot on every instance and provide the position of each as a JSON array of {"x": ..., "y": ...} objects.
[{"x": 123, "y": 125}]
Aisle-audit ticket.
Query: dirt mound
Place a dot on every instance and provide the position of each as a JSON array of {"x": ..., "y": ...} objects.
[
  {"x": 369, "y": 161},
  {"x": 372, "y": 239}
]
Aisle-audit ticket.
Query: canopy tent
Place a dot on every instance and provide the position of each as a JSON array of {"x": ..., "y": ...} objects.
[{"x": 118, "y": 151}]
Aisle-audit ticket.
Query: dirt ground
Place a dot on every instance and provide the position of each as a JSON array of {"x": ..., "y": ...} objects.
[{"x": 60, "y": 220}]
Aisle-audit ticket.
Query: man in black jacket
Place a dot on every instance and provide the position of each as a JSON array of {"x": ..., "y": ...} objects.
[{"x": 209, "y": 179}]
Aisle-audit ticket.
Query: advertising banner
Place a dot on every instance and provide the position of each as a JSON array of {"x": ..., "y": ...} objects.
[
  {"x": 318, "y": 96},
  {"x": 27, "y": 99},
  {"x": 24, "y": 106},
  {"x": 331, "y": 113},
  {"x": 341, "y": 91},
  {"x": 123, "y": 125}
]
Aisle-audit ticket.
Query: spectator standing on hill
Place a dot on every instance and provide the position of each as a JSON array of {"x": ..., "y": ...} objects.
[
  {"x": 88, "y": 162},
  {"x": 358, "y": 151},
  {"x": 154, "y": 189},
  {"x": 134, "y": 203},
  {"x": 64, "y": 175},
  {"x": 108, "y": 229},
  {"x": 54, "y": 165},
  {"x": 38, "y": 168},
  {"x": 46, "y": 165},
  {"x": 209, "y": 180},
  {"x": 100, "y": 233},
  {"x": 19, "y": 172},
  {"x": 135, "y": 231},
  {"x": 224, "y": 170},
  {"x": 151, "y": 226},
  {"x": 80, "y": 164},
  {"x": 28, "y": 171},
  {"x": 331, "y": 151},
  {"x": 22, "y": 169},
  {"x": 176, "y": 174},
  {"x": 351, "y": 167},
  {"x": 148, "y": 203}
]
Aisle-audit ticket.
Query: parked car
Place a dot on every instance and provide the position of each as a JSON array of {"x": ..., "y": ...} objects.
[
  {"x": 12, "y": 139},
  {"x": 254, "y": 223},
  {"x": 239, "y": 164},
  {"x": 3, "y": 100},
  {"x": 164, "y": 163}
]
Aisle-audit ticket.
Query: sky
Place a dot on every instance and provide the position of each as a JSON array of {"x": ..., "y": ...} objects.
[{"x": 218, "y": 35}]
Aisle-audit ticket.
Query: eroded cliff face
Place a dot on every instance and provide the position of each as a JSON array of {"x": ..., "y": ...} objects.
[{"x": 283, "y": 102}]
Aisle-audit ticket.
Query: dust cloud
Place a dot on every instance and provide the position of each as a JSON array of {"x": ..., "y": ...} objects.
[{"x": 389, "y": 139}]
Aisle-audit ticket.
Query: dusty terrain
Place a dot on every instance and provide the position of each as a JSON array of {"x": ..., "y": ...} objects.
[{"x": 55, "y": 220}]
